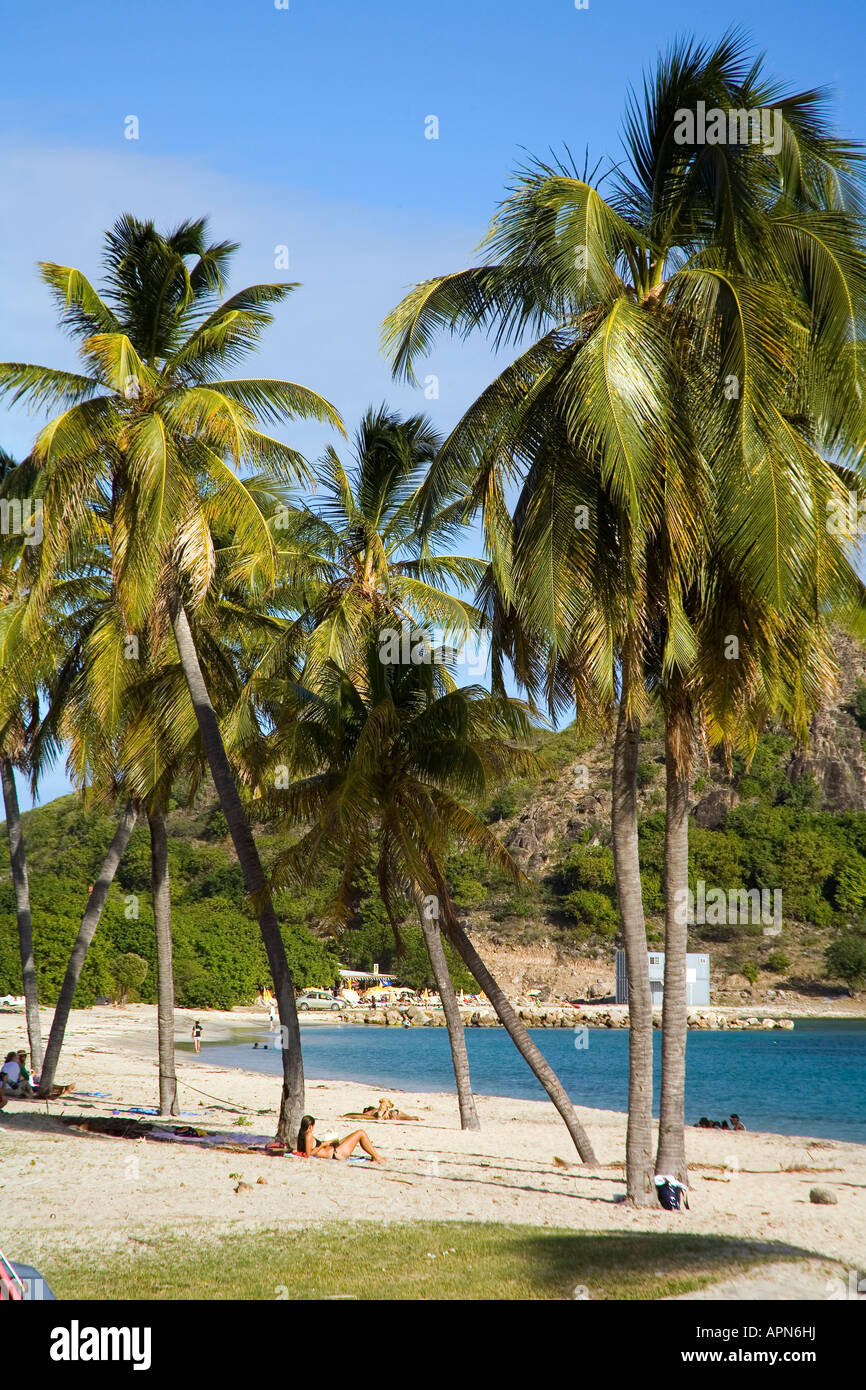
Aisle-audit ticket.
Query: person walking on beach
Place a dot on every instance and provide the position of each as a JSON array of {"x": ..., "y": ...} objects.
[
  {"x": 272, "y": 1016},
  {"x": 196, "y": 1035},
  {"x": 308, "y": 1146}
]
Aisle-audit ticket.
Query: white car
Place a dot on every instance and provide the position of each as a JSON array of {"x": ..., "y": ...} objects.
[{"x": 319, "y": 999}]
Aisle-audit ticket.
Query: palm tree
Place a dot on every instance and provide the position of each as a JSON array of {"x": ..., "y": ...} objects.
[
  {"x": 152, "y": 429},
  {"x": 86, "y": 933},
  {"x": 126, "y": 718},
  {"x": 24, "y": 674},
  {"x": 357, "y": 555},
  {"x": 355, "y": 559},
  {"x": 18, "y": 861},
  {"x": 698, "y": 339},
  {"x": 388, "y": 759}
]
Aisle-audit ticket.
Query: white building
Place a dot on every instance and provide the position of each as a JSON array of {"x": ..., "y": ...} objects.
[{"x": 697, "y": 978}]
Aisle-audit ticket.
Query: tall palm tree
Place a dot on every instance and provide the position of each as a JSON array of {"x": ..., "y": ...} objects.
[
  {"x": 124, "y": 714},
  {"x": 25, "y": 674},
  {"x": 354, "y": 559},
  {"x": 154, "y": 429},
  {"x": 698, "y": 308},
  {"x": 356, "y": 554},
  {"x": 390, "y": 757}
]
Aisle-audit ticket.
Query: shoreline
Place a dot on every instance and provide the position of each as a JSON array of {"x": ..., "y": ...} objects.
[{"x": 66, "y": 1189}]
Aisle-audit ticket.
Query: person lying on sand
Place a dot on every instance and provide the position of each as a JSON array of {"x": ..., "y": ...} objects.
[
  {"x": 308, "y": 1147},
  {"x": 385, "y": 1110}
]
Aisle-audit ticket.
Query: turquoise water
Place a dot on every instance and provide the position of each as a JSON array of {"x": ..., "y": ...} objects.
[{"x": 811, "y": 1081}]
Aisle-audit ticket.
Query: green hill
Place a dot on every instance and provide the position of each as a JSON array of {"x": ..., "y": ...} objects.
[{"x": 773, "y": 826}]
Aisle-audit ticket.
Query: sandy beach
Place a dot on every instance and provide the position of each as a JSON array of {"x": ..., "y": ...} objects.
[{"x": 63, "y": 1188}]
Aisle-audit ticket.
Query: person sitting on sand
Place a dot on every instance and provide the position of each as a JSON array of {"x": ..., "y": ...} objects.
[
  {"x": 736, "y": 1122},
  {"x": 308, "y": 1147},
  {"x": 10, "y": 1076},
  {"x": 26, "y": 1082}
]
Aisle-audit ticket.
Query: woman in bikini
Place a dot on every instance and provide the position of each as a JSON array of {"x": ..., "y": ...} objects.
[{"x": 308, "y": 1147}]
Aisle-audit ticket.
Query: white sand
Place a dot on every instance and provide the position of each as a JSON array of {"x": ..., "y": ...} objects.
[{"x": 62, "y": 1188}]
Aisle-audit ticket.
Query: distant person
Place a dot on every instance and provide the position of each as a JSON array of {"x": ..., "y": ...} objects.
[
  {"x": 308, "y": 1147},
  {"x": 26, "y": 1080},
  {"x": 196, "y": 1035},
  {"x": 272, "y": 1016},
  {"x": 736, "y": 1122},
  {"x": 10, "y": 1075}
]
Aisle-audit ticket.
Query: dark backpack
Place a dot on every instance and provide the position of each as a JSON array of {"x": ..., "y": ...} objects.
[{"x": 672, "y": 1195}]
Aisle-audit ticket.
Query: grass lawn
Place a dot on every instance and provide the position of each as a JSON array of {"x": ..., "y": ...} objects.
[{"x": 436, "y": 1259}]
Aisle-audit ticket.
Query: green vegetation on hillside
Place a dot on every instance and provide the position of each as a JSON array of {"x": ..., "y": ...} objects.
[
  {"x": 219, "y": 960},
  {"x": 773, "y": 838}
]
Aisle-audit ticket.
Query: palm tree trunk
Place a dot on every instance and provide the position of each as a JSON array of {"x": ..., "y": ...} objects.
[
  {"x": 18, "y": 860},
  {"x": 450, "y": 1007},
  {"x": 86, "y": 933},
  {"x": 255, "y": 882},
  {"x": 639, "y": 1166},
  {"x": 161, "y": 894},
  {"x": 514, "y": 1027},
  {"x": 671, "y": 1156}
]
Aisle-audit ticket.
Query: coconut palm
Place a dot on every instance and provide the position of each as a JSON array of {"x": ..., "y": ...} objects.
[
  {"x": 354, "y": 559},
  {"x": 26, "y": 674},
  {"x": 121, "y": 707},
  {"x": 153, "y": 430},
  {"x": 698, "y": 328},
  {"x": 388, "y": 760},
  {"x": 354, "y": 554}
]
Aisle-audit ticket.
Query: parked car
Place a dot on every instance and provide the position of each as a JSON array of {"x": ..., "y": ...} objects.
[{"x": 319, "y": 999}]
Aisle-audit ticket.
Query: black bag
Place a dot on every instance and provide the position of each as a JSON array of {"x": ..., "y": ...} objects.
[{"x": 672, "y": 1194}]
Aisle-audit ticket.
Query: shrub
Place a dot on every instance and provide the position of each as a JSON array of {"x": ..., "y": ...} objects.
[
  {"x": 503, "y": 805},
  {"x": 586, "y": 866},
  {"x": 845, "y": 959},
  {"x": 858, "y": 704},
  {"x": 469, "y": 892},
  {"x": 849, "y": 886},
  {"x": 217, "y": 825},
  {"x": 778, "y": 962},
  {"x": 750, "y": 970},
  {"x": 129, "y": 971},
  {"x": 592, "y": 910},
  {"x": 517, "y": 905}
]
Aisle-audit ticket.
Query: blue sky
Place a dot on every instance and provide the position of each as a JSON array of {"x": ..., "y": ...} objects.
[{"x": 305, "y": 127}]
